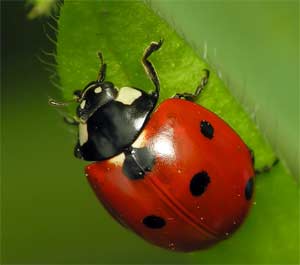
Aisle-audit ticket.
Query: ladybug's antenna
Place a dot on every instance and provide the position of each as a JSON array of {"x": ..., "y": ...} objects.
[
  {"x": 77, "y": 96},
  {"x": 56, "y": 103},
  {"x": 102, "y": 71}
]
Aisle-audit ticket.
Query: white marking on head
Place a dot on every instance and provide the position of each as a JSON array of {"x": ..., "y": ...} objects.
[
  {"x": 82, "y": 104},
  {"x": 83, "y": 133},
  {"x": 127, "y": 95},
  {"x": 98, "y": 90},
  {"x": 118, "y": 160}
]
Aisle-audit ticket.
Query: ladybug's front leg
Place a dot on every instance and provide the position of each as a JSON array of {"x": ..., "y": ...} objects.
[
  {"x": 200, "y": 87},
  {"x": 149, "y": 68}
]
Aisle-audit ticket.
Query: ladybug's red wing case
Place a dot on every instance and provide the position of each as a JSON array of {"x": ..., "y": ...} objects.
[
  {"x": 137, "y": 205},
  {"x": 199, "y": 188}
]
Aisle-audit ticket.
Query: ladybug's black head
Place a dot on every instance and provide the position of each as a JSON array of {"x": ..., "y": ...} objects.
[{"x": 92, "y": 97}]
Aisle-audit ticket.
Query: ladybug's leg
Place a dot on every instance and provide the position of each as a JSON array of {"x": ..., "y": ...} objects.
[
  {"x": 193, "y": 96},
  {"x": 149, "y": 68},
  {"x": 266, "y": 168},
  {"x": 252, "y": 156},
  {"x": 71, "y": 121},
  {"x": 102, "y": 71}
]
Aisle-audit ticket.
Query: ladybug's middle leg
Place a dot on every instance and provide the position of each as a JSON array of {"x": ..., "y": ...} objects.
[{"x": 200, "y": 87}]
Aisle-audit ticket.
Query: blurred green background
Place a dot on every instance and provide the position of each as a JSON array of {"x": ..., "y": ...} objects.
[{"x": 49, "y": 214}]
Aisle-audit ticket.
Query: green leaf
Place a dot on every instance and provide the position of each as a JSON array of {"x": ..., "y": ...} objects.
[{"x": 121, "y": 30}]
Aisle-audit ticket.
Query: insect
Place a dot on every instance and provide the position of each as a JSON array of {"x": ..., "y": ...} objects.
[{"x": 176, "y": 174}]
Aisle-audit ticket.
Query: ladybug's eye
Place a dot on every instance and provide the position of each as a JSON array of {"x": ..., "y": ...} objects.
[{"x": 84, "y": 104}]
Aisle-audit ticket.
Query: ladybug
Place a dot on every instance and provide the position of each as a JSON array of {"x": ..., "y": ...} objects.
[{"x": 176, "y": 174}]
